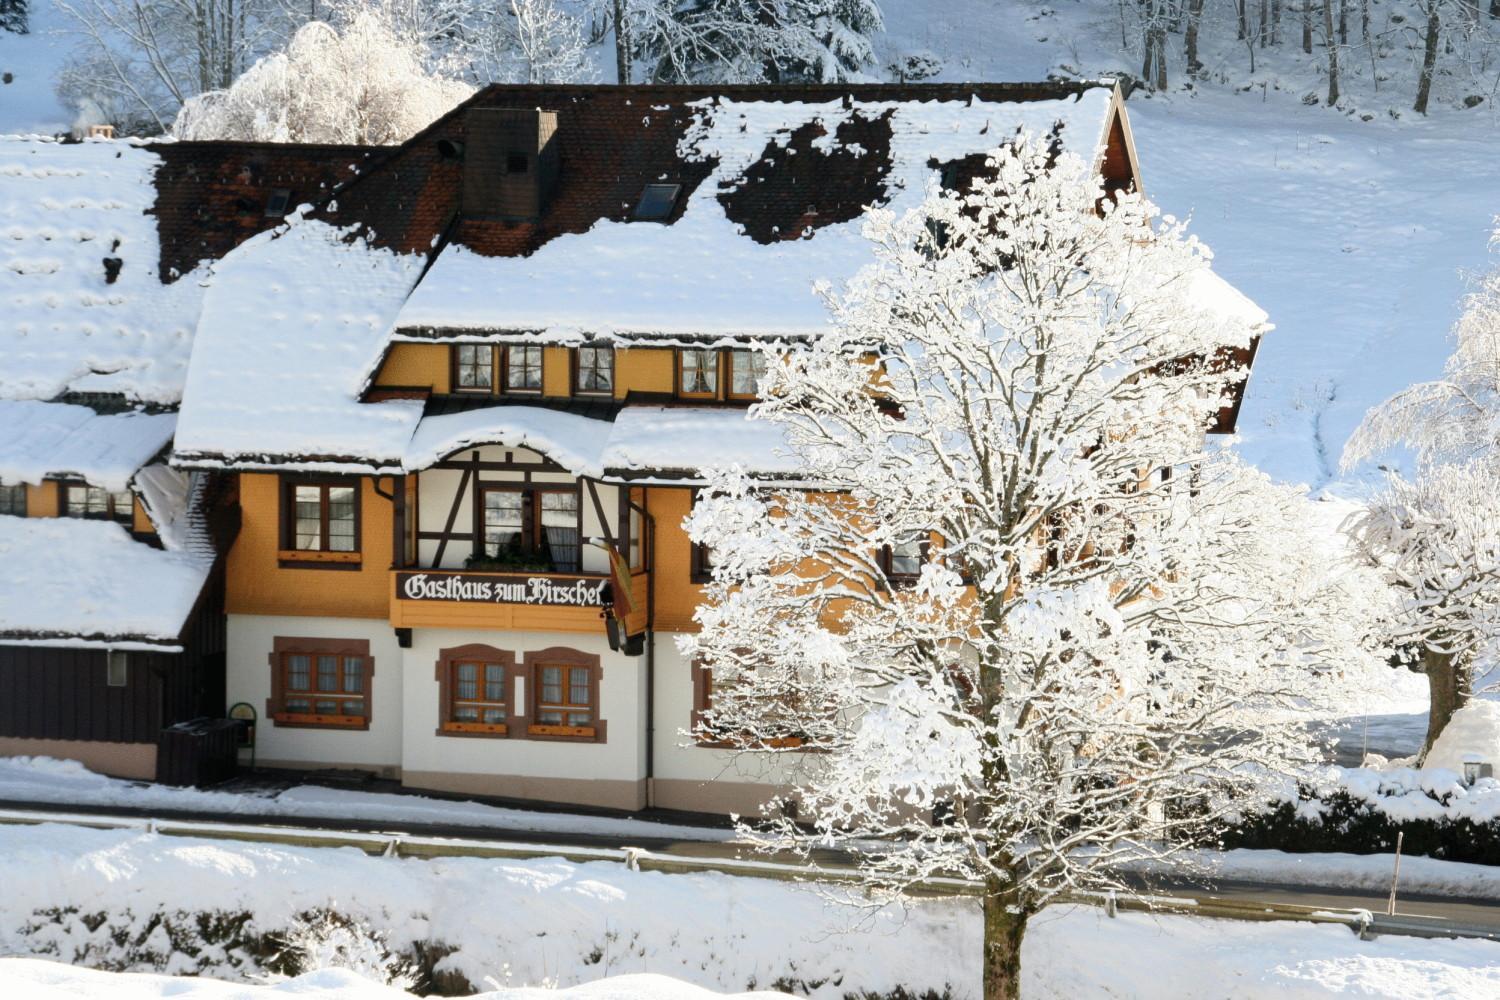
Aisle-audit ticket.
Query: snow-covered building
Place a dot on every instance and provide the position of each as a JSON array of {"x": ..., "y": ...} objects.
[
  {"x": 111, "y": 612},
  {"x": 461, "y": 406}
]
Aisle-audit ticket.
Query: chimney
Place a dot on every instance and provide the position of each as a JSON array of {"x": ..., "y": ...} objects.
[{"x": 510, "y": 163}]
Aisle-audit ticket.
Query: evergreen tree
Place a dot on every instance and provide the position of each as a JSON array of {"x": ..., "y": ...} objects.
[{"x": 13, "y": 16}]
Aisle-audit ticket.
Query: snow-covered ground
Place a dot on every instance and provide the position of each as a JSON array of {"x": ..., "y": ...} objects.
[
  {"x": 551, "y": 923},
  {"x": 67, "y": 782}
]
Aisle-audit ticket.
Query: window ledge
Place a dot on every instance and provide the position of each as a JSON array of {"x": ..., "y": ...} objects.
[
  {"x": 474, "y": 729},
  {"x": 564, "y": 732},
  {"x": 311, "y": 721}
]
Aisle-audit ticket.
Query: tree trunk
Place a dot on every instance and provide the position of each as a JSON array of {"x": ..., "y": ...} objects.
[
  {"x": 1333, "y": 53},
  {"x": 1447, "y": 683},
  {"x": 1004, "y": 926},
  {"x": 1429, "y": 57},
  {"x": 622, "y": 44},
  {"x": 1275, "y": 22},
  {"x": 1307, "y": 26},
  {"x": 1190, "y": 36},
  {"x": 1343, "y": 22}
]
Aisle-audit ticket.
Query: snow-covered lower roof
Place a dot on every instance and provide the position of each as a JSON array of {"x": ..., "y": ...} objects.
[
  {"x": 39, "y": 439},
  {"x": 100, "y": 587},
  {"x": 70, "y": 214},
  {"x": 572, "y": 441},
  {"x": 292, "y": 322},
  {"x": 703, "y": 275},
  {"x": 688, "y": 439},
  {"x": 1225, "y": 303},
  {"x": 675, "y": 443}
]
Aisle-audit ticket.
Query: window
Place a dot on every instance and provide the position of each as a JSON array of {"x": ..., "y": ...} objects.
[
  {"x": 595, "y": 370},
  {"x": 80, "y": 500},
  {"x": 117, "y": 668},
  {"x": 531, "y": 528},
  {"x": 320, "y": 524},
  {"x": 13, "y": 499},
  {"x": 321, "y": 682},
  {"x": 903, "y": 560},
  {"x": 707, "y": 733},
  {"x": 516, "y": 163},
  {"x": 564, "y": 693},
  {"x": 523, "y": 369},
  {"x": 747, "y": 369},
  {"x": 657, "y": 202},
  {"x": 277, "y": 203},
  {"x": 702, "y": 557},
  {"x": 475, "y": 684},
  {"x": 473, "y": 367},
  {"x": 697, "y": 372}
]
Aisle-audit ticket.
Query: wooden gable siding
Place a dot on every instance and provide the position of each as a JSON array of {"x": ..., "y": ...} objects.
[
  {"x": 42, "y": 500},
  {"x": 57, "y": 693}
]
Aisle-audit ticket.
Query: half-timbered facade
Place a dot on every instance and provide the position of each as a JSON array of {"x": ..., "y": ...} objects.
[{"x": 462, "y": 403}]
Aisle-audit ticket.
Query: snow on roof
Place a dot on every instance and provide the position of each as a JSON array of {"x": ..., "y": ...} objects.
[
  {"x": 68, "y": 212},
  {"x": 165, "y": 493},
  {"x": 702, "y": 275},
  {"x": 669, "y": 439},
  {"x": 572, "y": 441},
  {"x": 100, "y": 584},
  {"x": 1227, "y": 304},
  {"x": 40, "y": 439},
  {"x": 290, "y": 325},
  {"x": 693, "y": 438}
]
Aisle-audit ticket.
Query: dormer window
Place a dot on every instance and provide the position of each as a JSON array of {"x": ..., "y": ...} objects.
[
  {"x": 595, "y": 371},
  {"x": 92, "y": 502},
  {"x": 698, "y": 373},
  {"x": 13, "y": 499},
  {"x": 747, "y": 369},
  {"x": 473, "y": 367},
  {"x": 523, "y": 369},
  {"x": 516, "y": 163},
  {"x": 276, "y": 204},
  {"x": 657, "y": 202}
]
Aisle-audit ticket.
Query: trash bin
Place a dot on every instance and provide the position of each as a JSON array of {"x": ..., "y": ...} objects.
[{"x": 197, "y": 752}]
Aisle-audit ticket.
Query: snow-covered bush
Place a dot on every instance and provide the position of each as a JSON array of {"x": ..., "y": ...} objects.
[
  {"x": 327, "y": 940},
  {"x": 362, "y": 83}
]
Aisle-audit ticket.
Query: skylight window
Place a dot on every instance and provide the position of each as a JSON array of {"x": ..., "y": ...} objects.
[
  {"x": 657, "y": 202},
  {"x": 277, "y": 203}
]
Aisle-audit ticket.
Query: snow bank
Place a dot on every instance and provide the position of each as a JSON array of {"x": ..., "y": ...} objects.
[
  {"x": 64, "y": 211},
  {"x": 702, "y": 275},
  {"x": 1472, "y": 734},
  {"x": 543, "y": 921},
  {"x": 67, "y": 782},
  {"x": 60, "y": 439},
  {"x": 100, "y": 583},
  {"x": 37, "y": 980},
  {"x": 571, "y": 927},
  {"x": 292, "y": 322},
  {"x": 1403, "y": 794}
]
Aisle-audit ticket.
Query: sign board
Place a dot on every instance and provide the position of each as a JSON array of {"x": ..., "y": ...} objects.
[{"x": 469, "y": 588}]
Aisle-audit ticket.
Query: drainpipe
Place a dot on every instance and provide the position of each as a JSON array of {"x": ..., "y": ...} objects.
[{"x": 650, "y": 523}]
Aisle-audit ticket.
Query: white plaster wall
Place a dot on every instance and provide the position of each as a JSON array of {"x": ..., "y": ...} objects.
[
  {"x": 249, "y": 679},
  {"x": 676, "y": 755},
  {"x": 622, "y": 689}
]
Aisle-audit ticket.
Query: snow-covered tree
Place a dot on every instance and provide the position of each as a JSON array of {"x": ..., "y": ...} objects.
[
  {"x": 1438, "y": 540},
  {"x": 744, "y": 41},
  {"x": 13, "y": 17},
  {"x": 1033, "y": 625},
  {"x": 525, "y": 41},
  {"x": 362, "y": 83},
  {"x": 1438, "y": 536}
]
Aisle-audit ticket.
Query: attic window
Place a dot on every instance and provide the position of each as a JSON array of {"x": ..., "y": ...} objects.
[
  {"x": 515, "y": 163},
  {"x": 657, "y": 202},
  {"x": 277, "y": 203}
]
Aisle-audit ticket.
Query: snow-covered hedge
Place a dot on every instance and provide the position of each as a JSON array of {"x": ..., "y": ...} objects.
[{"x": 1361, "y": 810}]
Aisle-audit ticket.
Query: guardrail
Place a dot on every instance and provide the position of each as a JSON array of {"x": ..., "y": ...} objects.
[{"x": 1365, "y": 923}]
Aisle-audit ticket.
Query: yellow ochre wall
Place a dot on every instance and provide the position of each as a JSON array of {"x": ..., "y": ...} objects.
[
  {"x": 676, "y": 594},
  {"x": 638, "y": 369},
  {"x": 257, "y": 585},
  {"x": 42, "y": 501}
]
